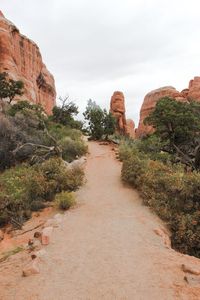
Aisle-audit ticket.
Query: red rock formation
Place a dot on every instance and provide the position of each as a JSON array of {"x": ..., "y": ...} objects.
[
  {"x": 194, "y": 89},
  {"x": 117, "y": 108},
  {"x": 149, "y": 103},
  {"x": 21, "y": 59},
  {"x": 150, "y": 100},
  {"x": 130, "y": 128}
]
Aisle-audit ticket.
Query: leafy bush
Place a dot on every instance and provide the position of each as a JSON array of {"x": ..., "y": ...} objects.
[
  {"x": 65, "y": 200},
  {"x": 177, "y": 125},
  {"x": 100, "y": 122},
  {"x": 19, "y": 187},
  {"x": 59, "y": 131},
  {"x": 37, "y": 205},
  {"x": 25, "y": 188},
  {"x": 65, "y": 114},
  {"x": 9, "y": 88},
  {"x": 74, "y": 178},
  {"x": 173, "y": 194},
  {"x": 72, "y": 149},
  {"x": 59, "y": 177},
  {"x": 132, "y": 170}
]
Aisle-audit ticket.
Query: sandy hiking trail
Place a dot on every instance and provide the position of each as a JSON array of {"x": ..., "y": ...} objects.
[{"x": 106, "y": 248}]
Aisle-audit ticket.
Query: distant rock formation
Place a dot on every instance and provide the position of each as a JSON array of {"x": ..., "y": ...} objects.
[
  {"x": 194, "y": 89},
  {"x": 130, "y": 128},
  {"x": 149, "y": 103},
  {"x": 117, "y": 108},
  {"x": 21, "y": 59},
  {"x": 150, "y": 100}
]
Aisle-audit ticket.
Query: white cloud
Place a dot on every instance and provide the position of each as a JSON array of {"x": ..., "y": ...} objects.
[{"x": 96, "y": 47}]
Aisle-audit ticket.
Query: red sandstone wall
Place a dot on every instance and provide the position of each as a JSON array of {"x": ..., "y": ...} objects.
[{"x": 21, "y": 59}]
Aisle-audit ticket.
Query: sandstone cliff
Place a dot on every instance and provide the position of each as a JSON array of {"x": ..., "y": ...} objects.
[{"x": 21, "y": 59}]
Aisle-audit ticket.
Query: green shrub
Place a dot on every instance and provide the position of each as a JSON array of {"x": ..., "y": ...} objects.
[
  {"x": 132, "y": 170},
  {"x": 59, "y": 131},
  {"x": 24, "y": 188},
  {"x": 61, "y": 178},
  {"x": 37, "y": 205},
  {"x": 173, "y": 194},
  {"x": 19, "y": 187},
  {"x": 74, "y": 178},
  {"x": 65, "y": 200},
  {"x": 71, "y": 149},
  {"x": 186, "y": 233}
]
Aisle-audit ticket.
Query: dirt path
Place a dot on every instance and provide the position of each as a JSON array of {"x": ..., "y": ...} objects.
[{"x": 106, "y": 248}]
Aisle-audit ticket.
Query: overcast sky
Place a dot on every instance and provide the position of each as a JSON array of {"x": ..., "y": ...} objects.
[{"x": 94, "y": 47}]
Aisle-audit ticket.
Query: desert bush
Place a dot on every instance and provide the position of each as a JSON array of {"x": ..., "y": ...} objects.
[
  {"x": 37, "y": 205},
  {"x": 185, "y": 233},
  {"x": 19, "y": 187},
  {"x": 172, "y": 193},
  {"x": 60, "y": 131},
  {"x": 133, "y": 170},
  {"x": 24, "y": 188},
  {"x": 72, "y": 149},
  {"x": 16, "y": 131},
  {"x": 74, "y": 178},
  {"x": 59, "y": 177},
  {"x": 154, "y": 148},
  {"x": 65, "y": 200}
]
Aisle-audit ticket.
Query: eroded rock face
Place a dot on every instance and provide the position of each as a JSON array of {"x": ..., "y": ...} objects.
[
  {"x": 149, "y": 103},
  {"x": 117, "y": 108},
  {"x": 150, "y": 100},
  {"x": 194, "y": 89},
  {"x": 130, "y": 128},
  {"x": 21, "y": 59}
]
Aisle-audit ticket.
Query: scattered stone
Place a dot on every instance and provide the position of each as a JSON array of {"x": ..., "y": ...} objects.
[
  {"x": 31, "y": 269},
  {"x": 163, "y": 234},
  {"x": 190, "y": 269},
  {"x": 34, "y": 244},
  {"x": 37, "y": 235},
  {"x": 41, "y": 255},
  {"x": 33, "y": 256},
  {"x": 77, "y": 163},
  {"x": 51, "y": 223},
  {"x": 58, "y": 217},
  {"x": 46, "y": 235}
]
